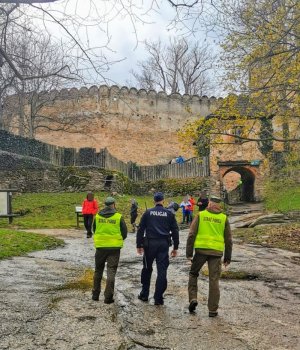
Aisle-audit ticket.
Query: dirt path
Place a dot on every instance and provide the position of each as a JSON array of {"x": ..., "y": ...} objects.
[{"x": 261, "y": 313}]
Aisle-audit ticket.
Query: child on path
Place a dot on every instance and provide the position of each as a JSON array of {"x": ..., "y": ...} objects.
[
  {"x": 186, "y": 207},
  {"x": 133, "y": 213},
  {"x": 89, "y": 209}
]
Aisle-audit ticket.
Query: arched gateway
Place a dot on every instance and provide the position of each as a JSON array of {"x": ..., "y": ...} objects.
[{"x": 247, "y": 184}]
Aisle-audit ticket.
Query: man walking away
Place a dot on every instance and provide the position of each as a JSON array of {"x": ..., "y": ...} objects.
[
  {"x": 110, "y": 231},
  {"x": 158, "y": 225},
  {"x": 209, "y": 235}
]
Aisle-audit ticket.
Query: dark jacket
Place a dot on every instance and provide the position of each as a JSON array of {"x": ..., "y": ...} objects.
[
  {"x": 192, "y": 236},
  {"x": 158, "y": 223},
  {"x": 204, "y": 203},
  {"x": 107, "y": 212},
  {"x": 133, "y": 209}
]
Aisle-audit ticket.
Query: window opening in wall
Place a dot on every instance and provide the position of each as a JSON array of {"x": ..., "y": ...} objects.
[
  {"x": 108, "y": 181},
  {"x": 237, "y": 131}
]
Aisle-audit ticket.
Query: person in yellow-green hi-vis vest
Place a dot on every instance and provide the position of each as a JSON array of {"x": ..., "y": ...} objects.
[
  {"x": 209, "y": 236},
  {"x": 110, "y": 231}
]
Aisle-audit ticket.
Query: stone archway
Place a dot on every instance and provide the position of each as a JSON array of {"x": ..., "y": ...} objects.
[
  {"x": 246, "y": 188},
  {"x": 249, "y": 174}
]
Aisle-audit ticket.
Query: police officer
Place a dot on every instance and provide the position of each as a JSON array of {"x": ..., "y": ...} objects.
[
  {"x": 209, "y": 235},
  {"x": 158, "y": 225},
  {"x": 109, "y": 232}
]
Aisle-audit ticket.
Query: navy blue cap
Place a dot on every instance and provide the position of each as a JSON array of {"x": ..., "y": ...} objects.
[{"x": 158, "y": 196}]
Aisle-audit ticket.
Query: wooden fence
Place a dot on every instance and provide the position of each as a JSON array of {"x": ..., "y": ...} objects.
[
  {"x": 107, "y": 161},
  {"x": 192, "y": 168},
  {"x": 61, "y": 156}
]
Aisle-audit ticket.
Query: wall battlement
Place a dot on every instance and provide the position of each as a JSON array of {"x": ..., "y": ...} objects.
[
  {"x": 142, "y": 101},
  {"x": 104, "y": 91}
]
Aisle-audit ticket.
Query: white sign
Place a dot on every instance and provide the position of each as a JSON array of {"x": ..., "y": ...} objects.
[
  {"x": 3, "y": 203},
  {"x": 78, "y": 209}
]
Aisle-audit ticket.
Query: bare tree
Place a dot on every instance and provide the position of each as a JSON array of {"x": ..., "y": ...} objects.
[
  {"x": 179, "y": 67},
  {"x": 12, "y": 24},
  {"x": 36, "y": 57}
]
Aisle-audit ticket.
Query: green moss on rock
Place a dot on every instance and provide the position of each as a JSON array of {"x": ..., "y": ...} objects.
[
  {"x": 74, "y": 177},
  {"x": 172, "y": 187}
]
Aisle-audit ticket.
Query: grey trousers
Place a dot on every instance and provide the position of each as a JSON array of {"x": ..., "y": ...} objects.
[
  {"x": 112, "y": 257},
  {"x": 214, "y": 270}
]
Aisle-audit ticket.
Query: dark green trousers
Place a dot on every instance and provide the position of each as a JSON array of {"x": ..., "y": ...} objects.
[
  {"x": 214, "y": 270},
  {"x": 111, "y": 257}
]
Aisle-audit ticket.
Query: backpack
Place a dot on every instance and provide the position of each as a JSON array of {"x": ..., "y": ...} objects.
[{"x": 175, "y": 206}]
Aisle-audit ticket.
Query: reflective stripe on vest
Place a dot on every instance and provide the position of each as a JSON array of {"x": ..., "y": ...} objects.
[
  {"x": 210, "y": 233},
  {"x": 108, "y": 232}
]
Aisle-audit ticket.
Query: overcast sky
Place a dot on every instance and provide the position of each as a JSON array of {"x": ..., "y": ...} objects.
[{"x": 106, "y": 20}]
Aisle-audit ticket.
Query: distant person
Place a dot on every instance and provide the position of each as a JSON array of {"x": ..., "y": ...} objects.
[
  {"x": 180, "y": 160},
  {"x": 89, "y": 209},
  {"x": 202, "y": 201},
  {"x": 225, "y": 195},
  {"x": 110, "y": 231},
  {"x": 193, "y": 202},
  {"x": 158, "y": 225},
  {"x": 209, "y": 236},
  {"x": 133, "y": 213},
  {"x": 185, "y": 205},
  {"x": 240, "y": 189}
]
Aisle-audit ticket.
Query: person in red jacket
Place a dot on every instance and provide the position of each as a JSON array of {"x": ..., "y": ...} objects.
[
  {"x": 89, "y": 209},
  {"x": 191, "y": 209}
]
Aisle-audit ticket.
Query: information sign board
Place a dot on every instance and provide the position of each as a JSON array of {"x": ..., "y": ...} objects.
[{"x": 3, "y": 203}]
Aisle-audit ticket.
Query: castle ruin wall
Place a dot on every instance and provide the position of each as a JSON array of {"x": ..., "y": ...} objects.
[{"x": 134, "y": 125}]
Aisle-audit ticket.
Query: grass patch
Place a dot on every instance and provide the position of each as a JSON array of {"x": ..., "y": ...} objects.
[
  {"x": 57, "y": 210},
  {"x": 231, "y": 275},
  {"x": 55, "y": 301},
  {"x": 284, "y": 236},
  {"x": 16, "y": 243},
  {"x": 83, "y": 282},
  {"x": 282, "y": 197}
]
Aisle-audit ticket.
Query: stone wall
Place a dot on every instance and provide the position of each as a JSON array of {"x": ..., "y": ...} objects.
[
  {"x": 27, "y": 174},
  {"x": 135, "y": 125}
]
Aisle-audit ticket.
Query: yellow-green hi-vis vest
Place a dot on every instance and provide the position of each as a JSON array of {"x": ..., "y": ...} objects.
[
  {"x": 210, "y": 233},
  {"x": 108, "y": 232}
]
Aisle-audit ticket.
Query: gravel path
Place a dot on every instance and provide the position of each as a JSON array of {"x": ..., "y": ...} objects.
[{"x": 259, "y": 313}]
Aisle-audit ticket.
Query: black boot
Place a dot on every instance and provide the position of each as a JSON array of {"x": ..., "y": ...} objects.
[{"x": 95, "y": 296}]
